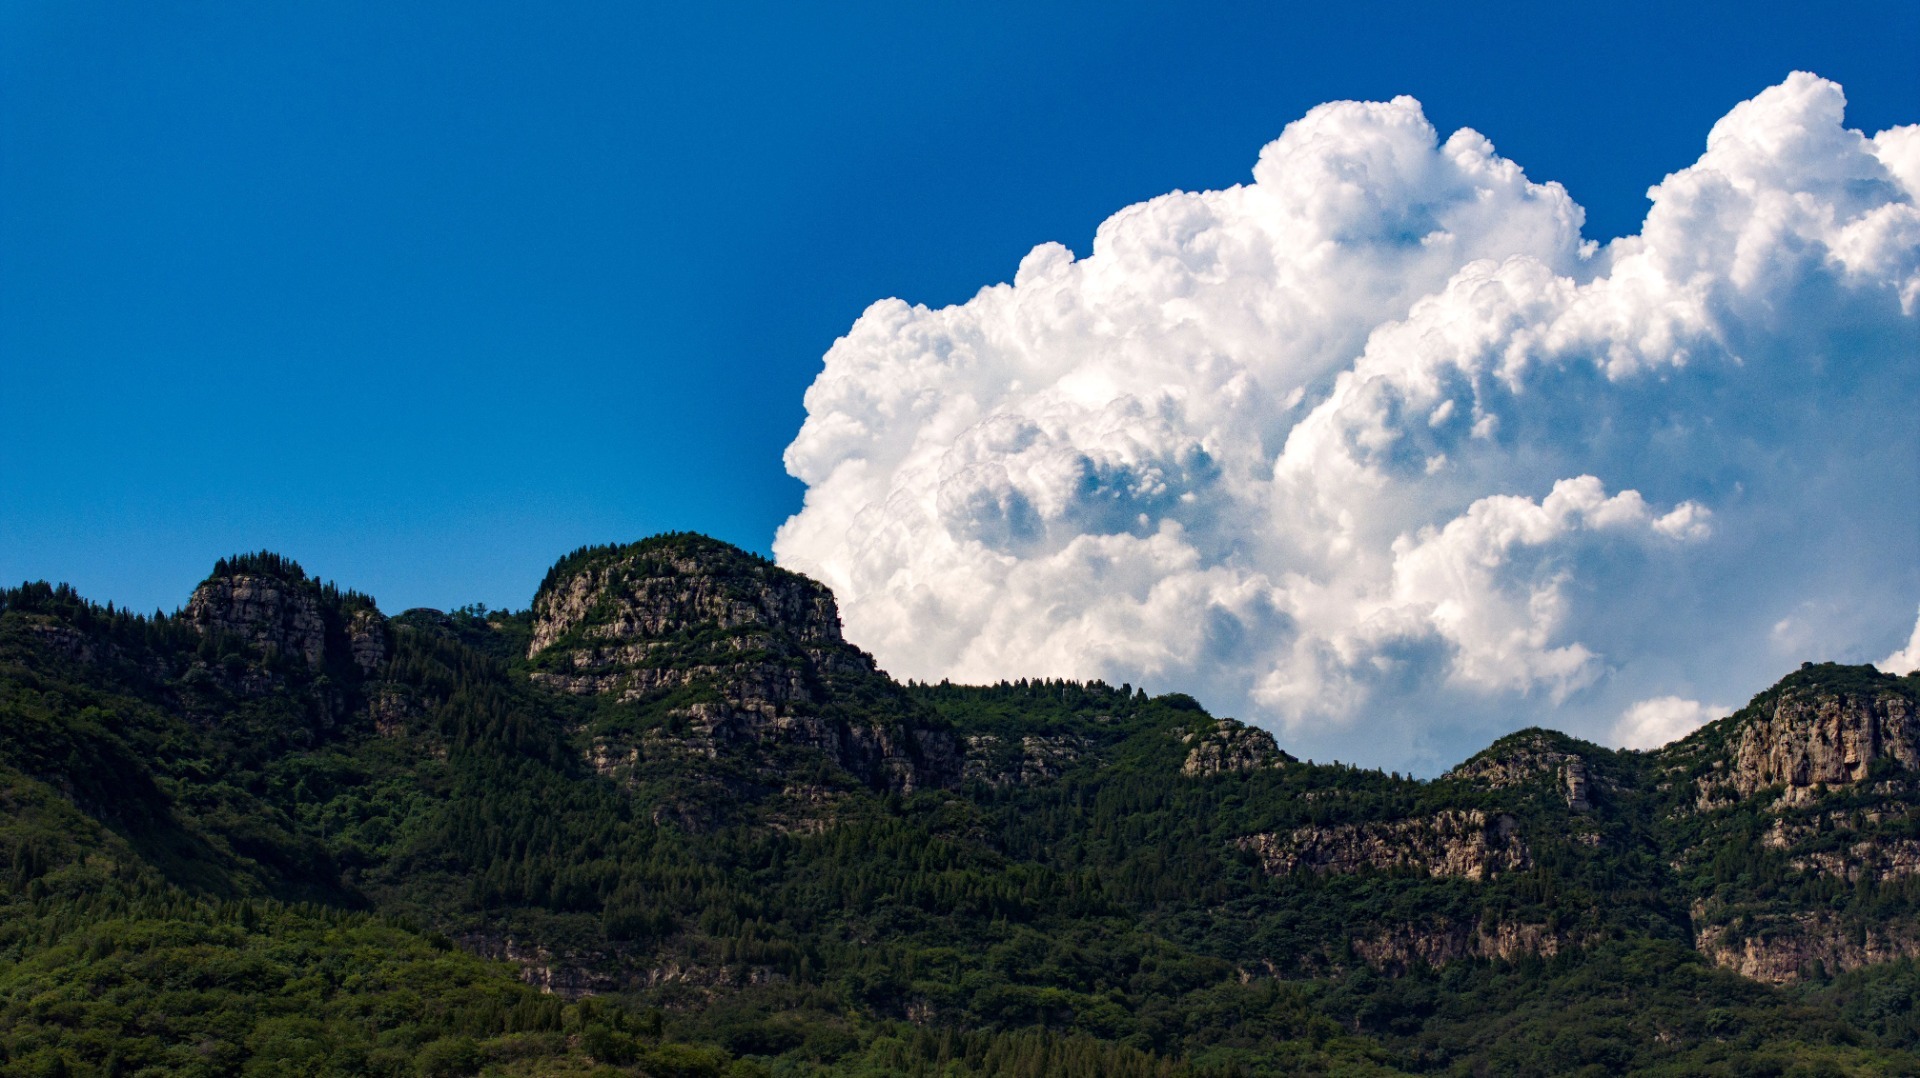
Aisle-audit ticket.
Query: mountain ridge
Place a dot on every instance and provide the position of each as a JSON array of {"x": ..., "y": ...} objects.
[{"x": 672, "y": 785}]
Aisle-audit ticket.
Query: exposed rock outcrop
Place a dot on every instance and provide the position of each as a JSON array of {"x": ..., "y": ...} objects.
[
  {"x": 1004, "y": 761},
  {"x": 1573, "y": 774},
  {"x": 1523, "y": 758},
  {"x": 741, "y": 653},
  {"x": 1794, "y": 947},
  {"x": 611, "y": 758},
  {"x": 807, "y": 809},
  {"x": 1848, "y": 844},
  {"x": 1231, "y": 746},
  {"x": 1435, "y": 944},
  {"x": 1881, "y": 860},
  {"x": 270, "y": 613},
  {"x": 1453, "y": 842},
  {"x": 1828, "y": 756},
  {"x": 369, "y": 640},
  {"x": 1806, "y": 739},
  {"x": 639, "y": 595}
]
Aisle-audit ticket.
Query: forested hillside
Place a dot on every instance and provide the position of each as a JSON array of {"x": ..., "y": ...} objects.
[{"x": 667, "y": 821}]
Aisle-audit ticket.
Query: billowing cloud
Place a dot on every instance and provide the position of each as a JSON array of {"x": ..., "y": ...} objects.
[
  {"x": 1378, "y": 451},
  {"x": 1650, "y": 724},
  {"x": 1907, "y": 659}
]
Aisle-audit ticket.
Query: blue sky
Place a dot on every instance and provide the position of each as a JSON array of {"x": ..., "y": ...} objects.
[{"x": 425, "y": 295}]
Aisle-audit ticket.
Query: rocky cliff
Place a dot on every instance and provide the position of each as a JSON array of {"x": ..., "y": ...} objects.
[
  {"x": 611, "y": 608},
  {"x": 1807, "y": 944},
  {"x": 274, "y": 614},
  {"x": 1806, "y": 738},
  {"x": 272, "y": 605},
  {"x": 369, "y": 640},
  {"x": 1531, "y": 757},
  {"x": 733, "y": 653},
  {"x": 1231, "y": 746},
  {"x": 1468, "y": 843}
]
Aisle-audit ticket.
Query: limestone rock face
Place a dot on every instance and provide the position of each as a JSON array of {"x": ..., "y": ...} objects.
[
  {"x": 1404, "y": 947},
  {"x": 271, "y": 613},
  {"x": 1826, "y": 764},
  {"x": 1807, "y": 739},
  {"x": 1453, "y": 842},
  {"x": 1792, "y": 947},
  {"x": 753, "y": 652},
  {"x": 1004, "y": 761},
  {"x": 1880, "y": 860},
  {"x": 1573, "y": 775},
  {"x": 644, "y": 596},
  {"x": 1232, "y": 746},
  {"x": 368, "y": 638},
  {"x": 1524, "y": 757}
]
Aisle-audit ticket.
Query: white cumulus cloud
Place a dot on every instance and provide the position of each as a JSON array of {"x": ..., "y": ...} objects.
[
  {"x": 1907, "y": 659},
  {"x": 1650, "y": 724},
  {"x": 1378, "y": 451}
]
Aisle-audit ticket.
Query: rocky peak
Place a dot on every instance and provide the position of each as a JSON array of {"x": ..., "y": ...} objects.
[
  {"x": 676, "y": 585},
  {"x": 1812, "y": 735},
  {"x": 643, "y": 621},
  {"x": 272, "y": 604},
  {"x": 266, "y": 600},
  {"x": 1231, "y": 746},
  {"x": 1825, "y": 725},
  {"x": 668, "y": 611},
  {"x": 1526, "y": 757}
]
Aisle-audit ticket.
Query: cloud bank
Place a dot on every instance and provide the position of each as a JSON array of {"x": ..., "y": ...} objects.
[{"x": 1377, "y": 451}]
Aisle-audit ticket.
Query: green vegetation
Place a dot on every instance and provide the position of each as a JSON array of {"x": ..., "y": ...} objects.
[{"x": 215, "y": 860}]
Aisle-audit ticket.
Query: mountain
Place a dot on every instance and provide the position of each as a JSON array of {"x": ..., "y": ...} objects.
[{"x": 669, "y": 821}]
